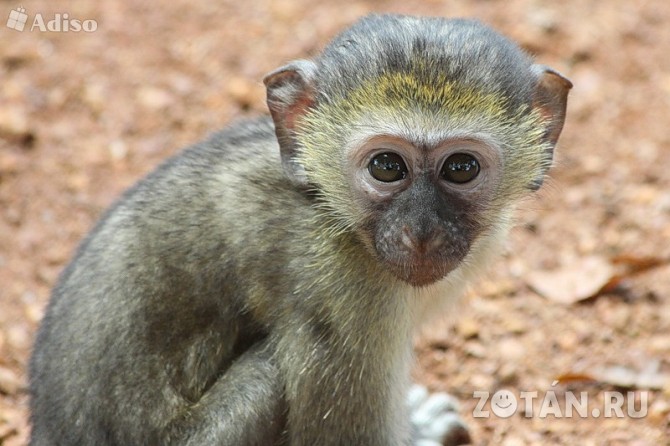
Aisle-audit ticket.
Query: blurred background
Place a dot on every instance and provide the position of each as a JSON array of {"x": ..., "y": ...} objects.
[{"x": 580, "y": 302}]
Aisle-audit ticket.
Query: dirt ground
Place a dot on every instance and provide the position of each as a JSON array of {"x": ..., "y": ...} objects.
[{"x": 582, "y": 295}]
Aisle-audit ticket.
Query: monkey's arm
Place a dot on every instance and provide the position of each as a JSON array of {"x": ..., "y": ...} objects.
[{"x": 244, "y": 407}]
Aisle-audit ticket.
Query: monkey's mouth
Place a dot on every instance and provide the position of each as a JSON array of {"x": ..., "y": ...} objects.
[
  {"x": 420, "y": 261},
  {"x": 422, "y": 272}
]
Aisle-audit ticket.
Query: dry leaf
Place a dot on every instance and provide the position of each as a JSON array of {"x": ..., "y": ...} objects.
[
  {"x": 590, "y": 277},
  {"x": 580, "y": 280},
  {"x": 649, "y": 378},
  {"x": 570, "y": 377}
]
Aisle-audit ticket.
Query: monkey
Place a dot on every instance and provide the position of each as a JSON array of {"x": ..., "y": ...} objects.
[{"x": 263, "y": 287}]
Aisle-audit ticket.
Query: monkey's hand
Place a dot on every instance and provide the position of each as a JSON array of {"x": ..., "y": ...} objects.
[{"x": 434, "y": 419}]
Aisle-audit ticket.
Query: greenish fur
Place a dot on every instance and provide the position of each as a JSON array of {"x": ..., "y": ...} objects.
[{"x": 408, "y": 105}]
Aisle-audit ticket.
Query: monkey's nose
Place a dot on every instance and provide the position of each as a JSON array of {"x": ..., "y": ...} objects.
[{"x": 421, "y": 244}]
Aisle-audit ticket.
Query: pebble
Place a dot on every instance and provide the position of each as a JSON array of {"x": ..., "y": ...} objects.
[
  {"x": 468, "y": 328},
  {"x": 660, "y": 344},
  {"x": 95, "y": 95},
  {"x": 513, "y": 441},
  {"x": 18, "y": 337},
  {"x": 515, "y": 325},
  {"x": 34, "y": 312},
  {"x": 10, "y": 384},
  {"x": 511, "y": 349},
  {"x": 154, "y": 98},
  {"x": 14, "y": 123},
  {"x": 659, "y": 410},
  {"x": 475, "y": 349},
  {"x": 118, "y": 150}
]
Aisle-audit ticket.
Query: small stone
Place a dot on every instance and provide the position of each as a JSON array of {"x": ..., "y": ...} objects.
[
  {"x": 14, "y": 124},
  {"x": 154, "y": 98},
  {"x": 18, "y": 337},
  {"x": 475, "y": 349},
  {"x": 659, "y": 410},
  {"x": 94, "y": 96},
  {"x": 511, "y": 349},
  {"x": 513, "y": 441},
  {"x": 660, "y": 344},
  {"x": 34, "y": 312},
  {"x": 515, "y": 325},
  {"x": 118, "y": 150},
  {"x": 468, "y": 328},
  {"x": 496, "y": 288},
  {"x": 10, "y": 383},
  {"x": 568, "y": 340}
]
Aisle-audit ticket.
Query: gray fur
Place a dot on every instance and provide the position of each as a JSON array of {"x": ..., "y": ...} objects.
[
  {"x": 464, "y": 49},
  {"x": 217, "y": 303}
]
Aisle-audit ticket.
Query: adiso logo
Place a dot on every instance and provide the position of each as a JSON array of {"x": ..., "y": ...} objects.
[
  {"x": 59, "y": 23},
  {"x": 17, "y": 19}
]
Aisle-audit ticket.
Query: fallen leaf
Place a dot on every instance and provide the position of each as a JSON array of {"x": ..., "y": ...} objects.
[
  {"x": 572, "y": 283},
  {"x": 649, "y": 378},
  {"x": 575, "y": 377},
  {"x": 590, "y": 277}
]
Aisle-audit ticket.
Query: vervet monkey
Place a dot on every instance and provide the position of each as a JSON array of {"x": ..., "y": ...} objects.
[{"x": 263, "y": 286}]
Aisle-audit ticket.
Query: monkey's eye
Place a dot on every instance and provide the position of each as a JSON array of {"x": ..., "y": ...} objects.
[
  {"x": 388, "y": 167},
  {"x": 460, "y": 168}
]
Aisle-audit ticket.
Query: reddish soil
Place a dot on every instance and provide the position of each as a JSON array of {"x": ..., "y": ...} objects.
[{"x": 84, "y": 115}]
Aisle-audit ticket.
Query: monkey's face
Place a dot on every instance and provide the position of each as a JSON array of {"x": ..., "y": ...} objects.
[
  {"x": 420, "y": 174},
  {"x": 419, "y": 165},
  {"x": 425, "y": 203}
]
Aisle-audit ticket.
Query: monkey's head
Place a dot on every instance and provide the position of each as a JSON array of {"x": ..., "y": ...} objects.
[{"x": 419, "y": 134}]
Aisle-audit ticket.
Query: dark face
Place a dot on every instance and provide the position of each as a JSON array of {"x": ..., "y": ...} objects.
[{"x": 426, "y": 205}]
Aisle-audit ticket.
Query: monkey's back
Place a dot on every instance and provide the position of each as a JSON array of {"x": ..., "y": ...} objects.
[{"x": 150, "y": 310}]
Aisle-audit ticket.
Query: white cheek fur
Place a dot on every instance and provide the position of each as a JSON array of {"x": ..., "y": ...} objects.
[{"x": 437, "y": 299}]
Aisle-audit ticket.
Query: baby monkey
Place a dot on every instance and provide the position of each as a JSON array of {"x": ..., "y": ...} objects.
[{"x": 262, "y": 287}]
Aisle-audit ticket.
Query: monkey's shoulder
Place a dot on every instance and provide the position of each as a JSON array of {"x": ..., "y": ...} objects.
[
  {"x": 201, "y": 183},
  {"x": 247, "y": 140},
  {"x": 228, "y": 158}
]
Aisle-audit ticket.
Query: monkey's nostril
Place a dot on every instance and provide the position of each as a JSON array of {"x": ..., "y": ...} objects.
[
  {"x": 421, "y": 243},
  {"x": 409, "y": 239}
]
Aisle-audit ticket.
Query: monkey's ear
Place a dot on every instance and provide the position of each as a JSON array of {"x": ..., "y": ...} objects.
[
  {"x": 550, "y": 98},
  {"x": 290, "y": 94}
]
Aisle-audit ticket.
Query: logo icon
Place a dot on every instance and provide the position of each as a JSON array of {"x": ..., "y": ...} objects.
[
  {"x": 503, "y": 404},
  {"x": 17, "y": 19}
]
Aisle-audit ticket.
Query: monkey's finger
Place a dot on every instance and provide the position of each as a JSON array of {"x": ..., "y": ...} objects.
[
  {"x": 416, "y": 396},
  {"x": 432, "y": 408}
]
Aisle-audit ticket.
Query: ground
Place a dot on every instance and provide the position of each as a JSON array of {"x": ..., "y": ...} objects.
[{"x": 580, "y": 302}]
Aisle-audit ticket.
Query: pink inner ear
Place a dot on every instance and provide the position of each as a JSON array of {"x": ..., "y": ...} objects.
[
  {"x": 550, "y": 99},
  {"x": 297, "y": 110}
]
